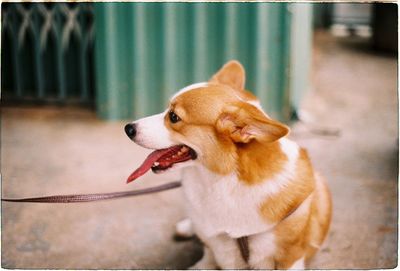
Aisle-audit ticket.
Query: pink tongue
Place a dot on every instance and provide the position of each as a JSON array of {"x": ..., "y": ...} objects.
[{"x": 146, "y": 165}]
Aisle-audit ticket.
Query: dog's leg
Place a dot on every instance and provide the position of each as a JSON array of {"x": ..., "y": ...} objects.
[
  {"x": 184, "y": 229},
  {"x": 298, "y": 265},
  {"x": 207, "y": 262}
]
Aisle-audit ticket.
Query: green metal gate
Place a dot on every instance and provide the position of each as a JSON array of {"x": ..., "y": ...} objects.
[
  {"x": 47, "y": 53},
  {"x": 147, "y": 51}
]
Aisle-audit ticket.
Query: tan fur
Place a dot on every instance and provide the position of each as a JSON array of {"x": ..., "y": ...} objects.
[
  {"x": 321, "y": 215},
  {"x": 243, "y": 122},
  {"x": 258, "y": 162},
  {"x": 302, "y": 236},
  {"x": 275, "y": 208},
  {"x": 231, "y": 74}
]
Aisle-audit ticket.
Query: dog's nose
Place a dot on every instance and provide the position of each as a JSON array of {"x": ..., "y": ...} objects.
[{"x": 130, "y": 130}]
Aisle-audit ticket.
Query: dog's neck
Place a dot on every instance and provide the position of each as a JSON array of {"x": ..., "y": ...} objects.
[
  {"x": 253, "y": 163},
  {"x": 259, "y": 161}
]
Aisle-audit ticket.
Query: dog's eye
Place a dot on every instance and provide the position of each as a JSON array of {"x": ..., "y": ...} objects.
[{"x": 173, "y": 117}]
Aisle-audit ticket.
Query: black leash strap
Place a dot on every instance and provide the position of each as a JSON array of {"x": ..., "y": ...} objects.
[
  {"x": 99, "y": 196},
  {"x": 243, "y": 243}
]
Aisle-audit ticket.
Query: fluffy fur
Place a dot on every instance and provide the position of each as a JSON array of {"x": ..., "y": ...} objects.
[{"x": 247, "y": 180}]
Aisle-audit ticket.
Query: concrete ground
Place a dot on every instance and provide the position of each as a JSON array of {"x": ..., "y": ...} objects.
[{"x": 350, "y": 129}]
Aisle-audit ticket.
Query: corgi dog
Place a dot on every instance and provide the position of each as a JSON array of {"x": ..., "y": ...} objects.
[{"x": 240, "y": 175}]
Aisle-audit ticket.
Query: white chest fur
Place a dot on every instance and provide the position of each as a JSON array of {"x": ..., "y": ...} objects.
[{"x": 223, "y": 204}]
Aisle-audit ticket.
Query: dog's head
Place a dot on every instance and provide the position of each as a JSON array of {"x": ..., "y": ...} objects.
[{"x": 205, "y": 123}]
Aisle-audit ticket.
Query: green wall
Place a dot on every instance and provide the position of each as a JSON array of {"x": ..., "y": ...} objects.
[{"x": 147, "y": 51}]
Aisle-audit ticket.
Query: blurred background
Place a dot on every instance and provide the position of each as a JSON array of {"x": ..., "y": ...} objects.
[{"x": 74, "y": 73}]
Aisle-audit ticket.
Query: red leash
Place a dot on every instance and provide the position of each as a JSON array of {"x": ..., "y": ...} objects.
[{"x": 97, "y": 197}]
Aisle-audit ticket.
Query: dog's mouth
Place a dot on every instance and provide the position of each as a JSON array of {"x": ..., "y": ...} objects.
[{"x": 161, "y": 160}]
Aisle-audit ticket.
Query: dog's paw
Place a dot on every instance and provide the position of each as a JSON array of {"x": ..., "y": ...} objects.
[
  {"x": 204, "y": 264},
  {"x": 184, "y": 230}
]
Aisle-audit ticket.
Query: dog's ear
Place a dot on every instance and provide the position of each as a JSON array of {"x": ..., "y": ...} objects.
[
  {"x": 231, "y": 74},
  {"x": 244, "y": 122}
]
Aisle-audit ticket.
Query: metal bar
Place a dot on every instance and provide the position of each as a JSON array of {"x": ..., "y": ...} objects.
[
  {"x": 251, "y": 48},
  {"x": 171, "y": 53},
  {"x": 154, "y": 57},
  {"x": 84, "y": 44},
  {"x": 14, "y": 34},
  {"x": 200, "y": 39},
  {"x": 101, "y": 51},
  {"x": 285, "y": 109},
  {"x": 300, "y": 51},
  {"x": 61, "y": 76},
  {"x": 140, "y": 63},
  {"x": 39, "y": 74},
  {"x": 261, "y": 60},
  {"x": 231, "y": 31},
  {"x": 215, "y": 37},
  {"x": 272, "y": 55},
  {"x": 108, "y": 66}
]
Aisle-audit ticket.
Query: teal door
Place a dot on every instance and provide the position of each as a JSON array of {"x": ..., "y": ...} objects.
[{"x": 147, "y": 51}]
